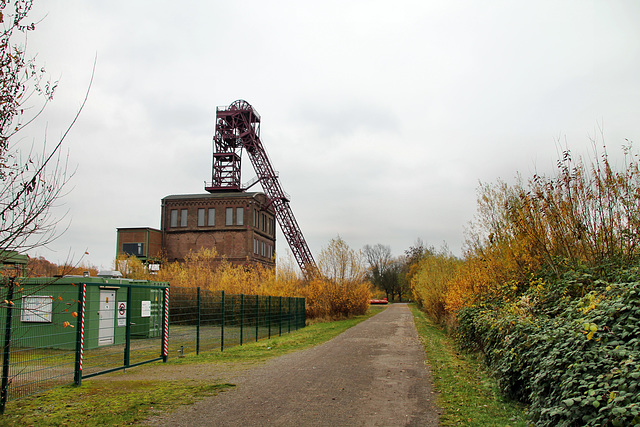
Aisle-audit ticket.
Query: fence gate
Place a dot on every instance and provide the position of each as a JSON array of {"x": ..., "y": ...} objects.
[{"x": 61, "y": 330}]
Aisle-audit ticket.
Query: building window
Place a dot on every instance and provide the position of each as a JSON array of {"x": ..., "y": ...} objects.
[
  {"x": 174, "y": 218},
  {"x": 229, "y": 216},
  {"x": 255, "y": 246},
  {"x": 201, "y": 217},
  {"x": 256, "y": 218},
  {"x": 212, "y": 217},
  {"x": 183, "y": 218},
  {"x": 136, "y": 249},
  {"x": 239, "y": 216},
  {"x": 264, "y": 222}
]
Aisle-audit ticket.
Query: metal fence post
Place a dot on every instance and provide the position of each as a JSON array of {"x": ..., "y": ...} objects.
[
  {"x": 296, "y": 319},
  {"x": 269, "y": 315},
  {"x": 222, "y": 314},
  {"x": 300, "y": 313},
  {"x": 241, "y": 318},
  {"x": 82, "y": 297},
  {"x": 289, "y": 315},
  {"x": 7, "y": 348},
  {"x": 127, "y": 344},
  {"x": 280, "y": 317},
  {"x": 257, "y": 315},
  {"x": 198, "y": 323}
]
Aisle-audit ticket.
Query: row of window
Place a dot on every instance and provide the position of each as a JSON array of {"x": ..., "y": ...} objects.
[
  {"x": 264, "y": 222},
  {"x": 262, "y": 248},
  {"x": 207, "y": 217},
  {"x": 233, "y": 216}
]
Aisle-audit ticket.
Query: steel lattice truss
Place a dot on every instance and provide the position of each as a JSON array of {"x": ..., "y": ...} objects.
[{"x": 238, "y": 128}]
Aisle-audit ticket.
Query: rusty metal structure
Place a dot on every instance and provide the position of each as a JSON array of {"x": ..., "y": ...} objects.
[{"x": 238, "y": 129}]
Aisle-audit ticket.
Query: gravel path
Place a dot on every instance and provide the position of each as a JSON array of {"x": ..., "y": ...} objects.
[{"x": 373, "y": 374}]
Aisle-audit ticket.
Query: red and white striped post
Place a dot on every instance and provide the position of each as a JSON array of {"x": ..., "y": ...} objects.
[
  {"x": 165, "y": 326},
  {"x": 82, "y": 296}
]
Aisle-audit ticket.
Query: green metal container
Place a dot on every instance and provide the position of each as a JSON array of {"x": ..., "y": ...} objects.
[{"x": 45, "y": 311}]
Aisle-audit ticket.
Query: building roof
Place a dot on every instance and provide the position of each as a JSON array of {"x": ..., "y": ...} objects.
[
  {"x": 138, "y": 228},
  {"x": 219, "y": 195},
  {"x": 12, "y": 257}
]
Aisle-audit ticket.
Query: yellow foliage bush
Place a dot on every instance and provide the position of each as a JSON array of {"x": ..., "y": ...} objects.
[
  {"x": 430, "y": 282},
  {"x": 205, "y": 269},
  {"x": 329, "y": 299}
]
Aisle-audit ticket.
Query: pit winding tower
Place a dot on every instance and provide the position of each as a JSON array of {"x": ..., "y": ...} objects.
[{"x": 238, "y": 129}]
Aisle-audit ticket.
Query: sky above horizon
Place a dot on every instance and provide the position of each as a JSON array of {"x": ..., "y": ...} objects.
[{"x": 381, "y": 117}]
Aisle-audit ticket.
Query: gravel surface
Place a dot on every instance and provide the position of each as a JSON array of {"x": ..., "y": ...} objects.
[{"x": 374, "y": 374}]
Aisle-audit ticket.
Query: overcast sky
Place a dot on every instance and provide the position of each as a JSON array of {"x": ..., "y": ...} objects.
[{"x": 381, "y": 117}]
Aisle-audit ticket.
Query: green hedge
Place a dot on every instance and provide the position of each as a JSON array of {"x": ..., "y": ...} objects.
[{"x": 575, "y": 359}]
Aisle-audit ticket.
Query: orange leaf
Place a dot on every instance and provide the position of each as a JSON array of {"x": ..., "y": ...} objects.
[
  {"x": 74, "y": 314},
  {"x": 60, "y": 298}
]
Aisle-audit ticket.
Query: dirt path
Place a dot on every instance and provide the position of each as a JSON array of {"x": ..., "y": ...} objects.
[{"x": 373, "y": 374}]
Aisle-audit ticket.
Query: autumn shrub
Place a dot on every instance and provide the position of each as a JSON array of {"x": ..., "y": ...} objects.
[
  {"x": 340, "y": 289},
  {"x": 430, "y": 281},
  {"x": 341, "y": 292},
  {"x": 40, "y": 267},
  {"x": 575, "y": 360},
  {"x": 331, "y": 300},
  {"x": 549, "y": 293},
  {"x": 585, "y": 216},
  {"x": 207, "y": 270}
]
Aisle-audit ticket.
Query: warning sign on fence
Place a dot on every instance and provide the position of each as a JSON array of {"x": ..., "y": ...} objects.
[
  {"x": 145, "y": 309},
  {"x": 122, "y": 313}
]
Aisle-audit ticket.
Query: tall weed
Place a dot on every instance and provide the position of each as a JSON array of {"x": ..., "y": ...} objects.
[{"x": 325, "y": 296}]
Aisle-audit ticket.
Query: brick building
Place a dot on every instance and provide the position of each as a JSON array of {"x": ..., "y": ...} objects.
[
  {"x": 143, "y": 242},
  {"x": 241, "y": 227}
]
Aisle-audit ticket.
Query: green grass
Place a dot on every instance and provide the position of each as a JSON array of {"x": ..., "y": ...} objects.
[
  {"x": 467, "y": 393},
  {"x": 105, "y": 403},
  {"x": 123, "y": 402}
]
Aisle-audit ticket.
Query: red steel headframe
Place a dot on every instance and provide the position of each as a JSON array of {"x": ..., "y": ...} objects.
[{"x": 238, "y": 127}]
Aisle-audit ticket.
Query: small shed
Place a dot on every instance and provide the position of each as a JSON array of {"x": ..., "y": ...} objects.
[
  {"x": 13, "y": 263},
  {"x": 45, "y": 311}
]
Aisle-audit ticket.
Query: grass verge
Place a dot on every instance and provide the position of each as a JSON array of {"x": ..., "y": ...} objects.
[
  {"x": 467, "y": 393},
  {"x": 122, "y": 402}
]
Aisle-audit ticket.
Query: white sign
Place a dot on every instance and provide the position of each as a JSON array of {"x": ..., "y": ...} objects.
[
  {"x": 122, "y": 313},
  {"x": 146, "y": 309},
  {"x": 36, "y": 308}
]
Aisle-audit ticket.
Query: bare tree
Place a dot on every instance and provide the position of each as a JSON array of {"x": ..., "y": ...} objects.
[
  {"x": 341, "y": 264},
  {"x": 383, "y": 269},
  {"x": 32, "y": 178}
]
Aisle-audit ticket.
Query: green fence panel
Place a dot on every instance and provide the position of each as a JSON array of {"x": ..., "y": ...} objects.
[{"x": 60, "y": 331}]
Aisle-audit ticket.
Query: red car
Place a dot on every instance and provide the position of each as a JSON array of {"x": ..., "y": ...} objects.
[{"x": 379, "y": 301}]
